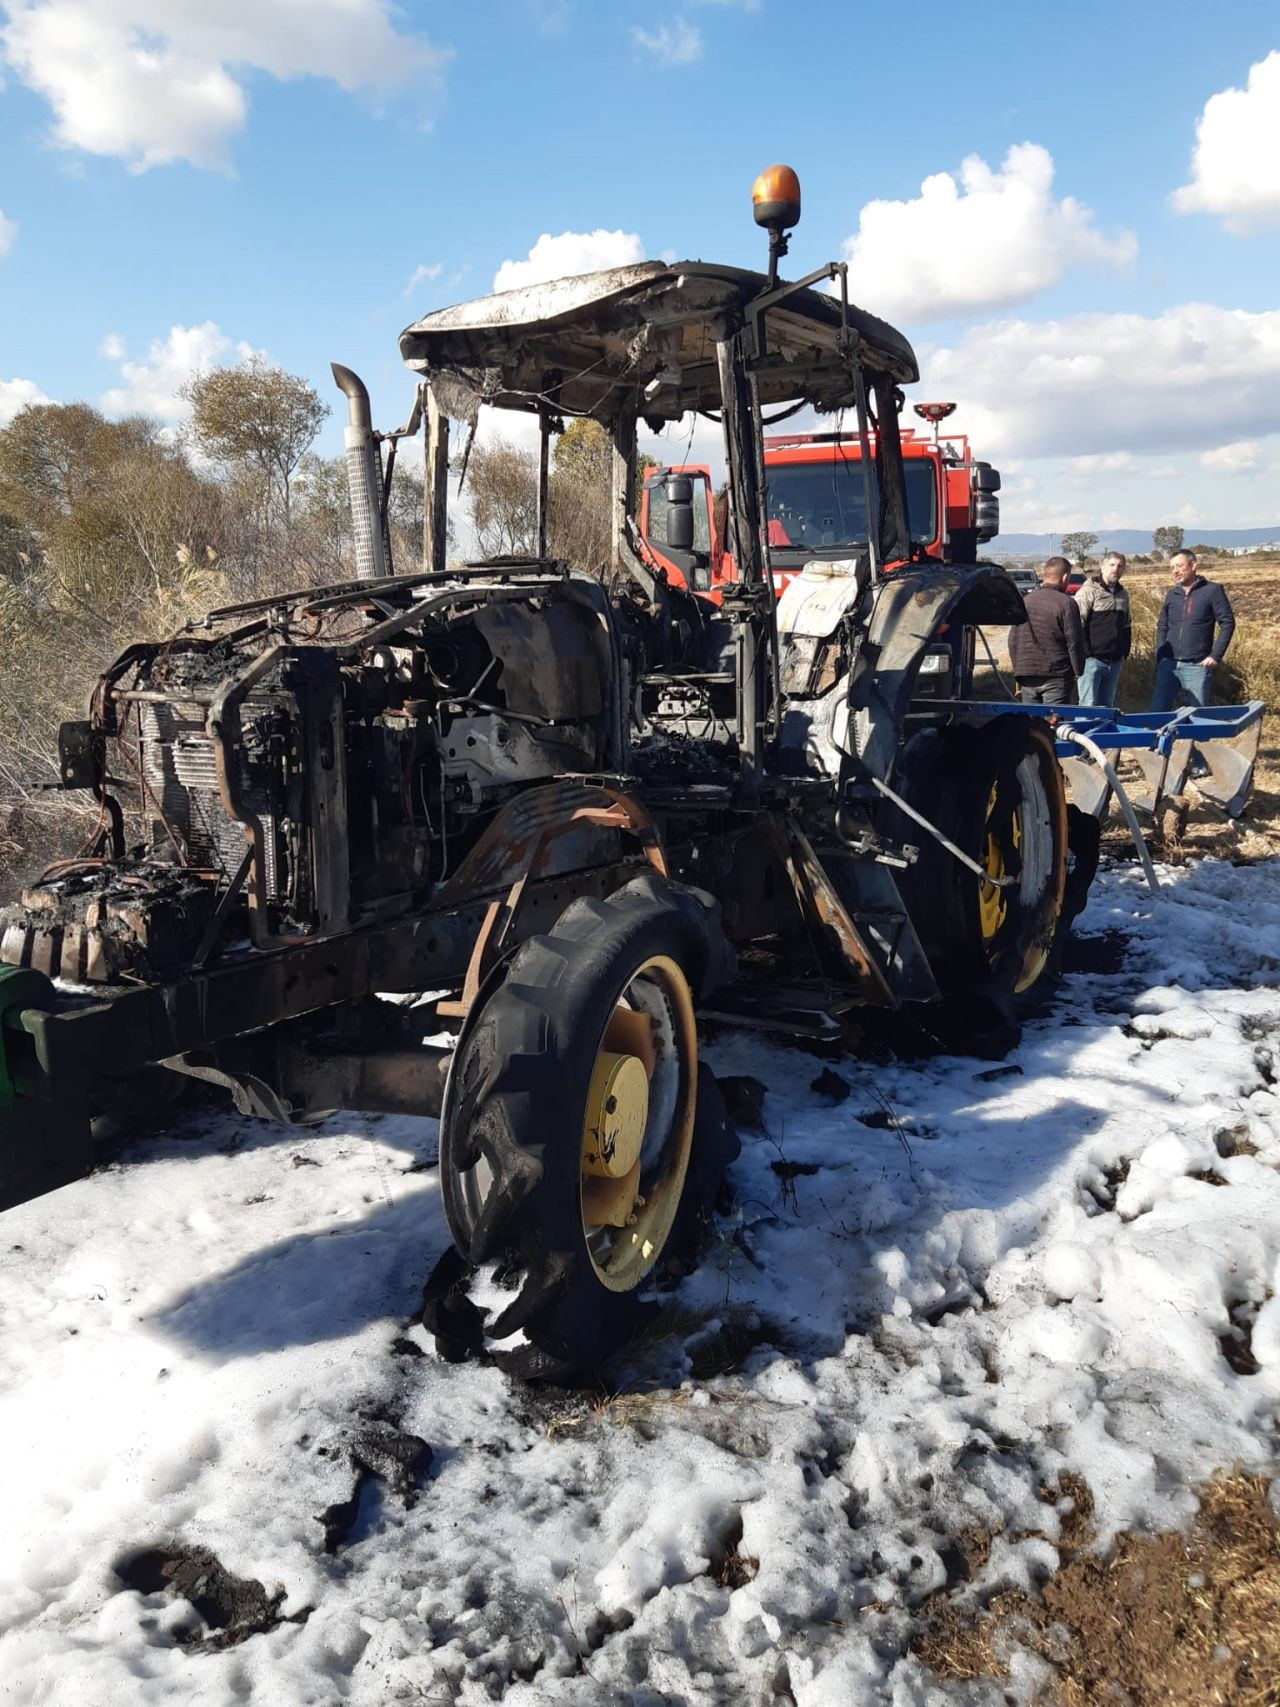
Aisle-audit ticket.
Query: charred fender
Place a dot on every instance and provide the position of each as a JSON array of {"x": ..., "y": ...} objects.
[{"x": 909, "y": 608}]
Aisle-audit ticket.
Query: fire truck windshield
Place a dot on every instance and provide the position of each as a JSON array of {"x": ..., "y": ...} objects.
[{"x": 816, "y": 507}]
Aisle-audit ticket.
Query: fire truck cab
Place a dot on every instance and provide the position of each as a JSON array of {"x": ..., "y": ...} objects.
[{"x": 816, "y": 504}]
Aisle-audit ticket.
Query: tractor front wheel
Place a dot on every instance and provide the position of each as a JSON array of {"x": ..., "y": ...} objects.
[{"x": 581, "y": 1142}]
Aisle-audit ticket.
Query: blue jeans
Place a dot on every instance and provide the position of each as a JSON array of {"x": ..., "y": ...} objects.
[
  {"x": 1098, "y": 684},
  {"x": 1191, "y": 679}
]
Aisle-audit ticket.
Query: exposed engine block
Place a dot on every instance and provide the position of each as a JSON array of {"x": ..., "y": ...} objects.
[{"x": 327, "y": 761}]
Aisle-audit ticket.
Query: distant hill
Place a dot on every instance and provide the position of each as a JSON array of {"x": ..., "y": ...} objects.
[{"x": 1133, "y": 539}]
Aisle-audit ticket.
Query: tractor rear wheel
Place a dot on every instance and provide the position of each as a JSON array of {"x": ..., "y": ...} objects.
[
  {"x": 580, "y": 1141},
  {"x": 997, "y": 792}
]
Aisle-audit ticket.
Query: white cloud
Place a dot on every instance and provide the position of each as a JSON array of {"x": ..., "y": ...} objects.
[
  {"x": 992, "y": 239},
  {"x": 1120, "y": 416},
  {"x": 152, "y": 387},
  {"x": 676, "y": 43},
  {"x": 570, "y": 253},
  {"x": 15, "y": 394},
  {"x": 1193, "y": 378},
  {"x": 8, "y": 231},
  {"x": 423, "y": 275},
  {"x": 1053, "y": 494},
  {"x": 1102, "y": 462},
  {"x": 112, "y": 347},
  {"x": 550, "y": 16},
  {"x": 1242, "y": 457},
  {"x": 691, "y": 439},
  {"x": 154, "y": 81},
  {"x": 1235, "y": 169}
]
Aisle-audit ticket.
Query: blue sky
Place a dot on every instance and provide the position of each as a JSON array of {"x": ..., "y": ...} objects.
[{"x": 181, "y": 179}]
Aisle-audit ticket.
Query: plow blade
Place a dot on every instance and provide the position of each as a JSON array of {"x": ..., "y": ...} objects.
[
  {"x": 1087, "y": 787},
  {"x": 1230, "y": 761},
  {"x": 1208, "y": 749},
  {"x": 1211, "y": 749}
]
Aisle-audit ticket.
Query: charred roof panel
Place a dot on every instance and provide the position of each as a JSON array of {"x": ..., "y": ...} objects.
[{"x": 640, "y": 338}]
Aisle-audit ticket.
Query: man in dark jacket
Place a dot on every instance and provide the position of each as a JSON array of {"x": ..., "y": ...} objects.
[
  {"x": 1047, "y": 651},
  {"x": 1105, "y": 617},
  {"x": 1187, "y": 648}
]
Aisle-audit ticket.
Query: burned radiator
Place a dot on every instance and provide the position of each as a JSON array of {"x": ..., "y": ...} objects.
[{"x": 180, "y": 766}]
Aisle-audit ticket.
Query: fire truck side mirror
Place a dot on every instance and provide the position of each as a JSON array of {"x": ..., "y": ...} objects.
[
  {"x": 679, "y": 491},
  {"x": 986, "y": 506}
]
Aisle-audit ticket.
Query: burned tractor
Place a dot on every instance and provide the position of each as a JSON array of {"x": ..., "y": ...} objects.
[{"x": 485, "y": 840}]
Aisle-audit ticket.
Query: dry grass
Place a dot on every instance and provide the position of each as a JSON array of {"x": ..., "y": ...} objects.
[
  {"x": 1252, "y": 666},
  {"x": 1166, "y": 1620},
  {"x": 1251, "y": 669}
]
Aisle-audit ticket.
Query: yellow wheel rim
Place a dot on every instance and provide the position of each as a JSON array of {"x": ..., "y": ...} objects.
[
  {"x": 637, "y": 1129},
  {"x": 993, "y": 909}
]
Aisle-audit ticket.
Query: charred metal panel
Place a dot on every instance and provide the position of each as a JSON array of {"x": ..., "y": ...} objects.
[
  {"x": 504, "y": 851},
  {"x": 45, "y": 1137},
  {"x": 643, "y": 335},
  {"x": 555, "y": 660},
  {"x": 315, "y": 680},
  {"x": 77, "y": 1040},
  {"x": 894, "y": 528},
  {"x": 909, "y": 606},
  {"x": 80, "y": 751},
  {"x": 820, "y": 898},
  {"x": 372, "y": 1056}
]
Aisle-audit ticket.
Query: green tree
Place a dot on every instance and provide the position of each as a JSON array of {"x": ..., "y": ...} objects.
[
  {"x": 581, "y": 492},
  {"x": 1077, "y": 546},
  {"x": 503, "y": 484},
  {"x": 584, "y": 453},
  {"x": 1167, "y": 540},
  {"x": 256, "y": 419},
  {"x": 55, "y": 458},
  {"x": 102, "y": 513},
  {"x": 321, "y": 542},
  {"x": 322, "y": 518},
  {"x": 107, "y": 535}
]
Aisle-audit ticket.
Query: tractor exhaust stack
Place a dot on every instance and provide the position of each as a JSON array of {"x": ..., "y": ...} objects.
[{"x": 364, "y": 474}]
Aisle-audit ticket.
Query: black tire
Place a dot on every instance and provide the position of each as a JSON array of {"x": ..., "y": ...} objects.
[
  {"x": 715, "y": 1146},
  {"x": 997, "y": 792},
  {"x": 1084, "y": 850},
  {"x": 512, "y": 1132}
]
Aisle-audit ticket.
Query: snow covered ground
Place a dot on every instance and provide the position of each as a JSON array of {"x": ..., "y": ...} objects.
[{"x": 939, "y": 1295}]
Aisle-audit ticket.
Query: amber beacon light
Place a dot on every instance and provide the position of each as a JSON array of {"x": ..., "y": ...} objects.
[{"x": 775, "y": 199}]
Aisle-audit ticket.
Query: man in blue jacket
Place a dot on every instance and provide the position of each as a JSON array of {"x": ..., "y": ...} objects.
[{"x": 1187, "y": 648}]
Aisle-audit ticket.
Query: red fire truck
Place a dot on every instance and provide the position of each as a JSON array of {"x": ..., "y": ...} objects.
[{"x": 817, "y": 504}]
